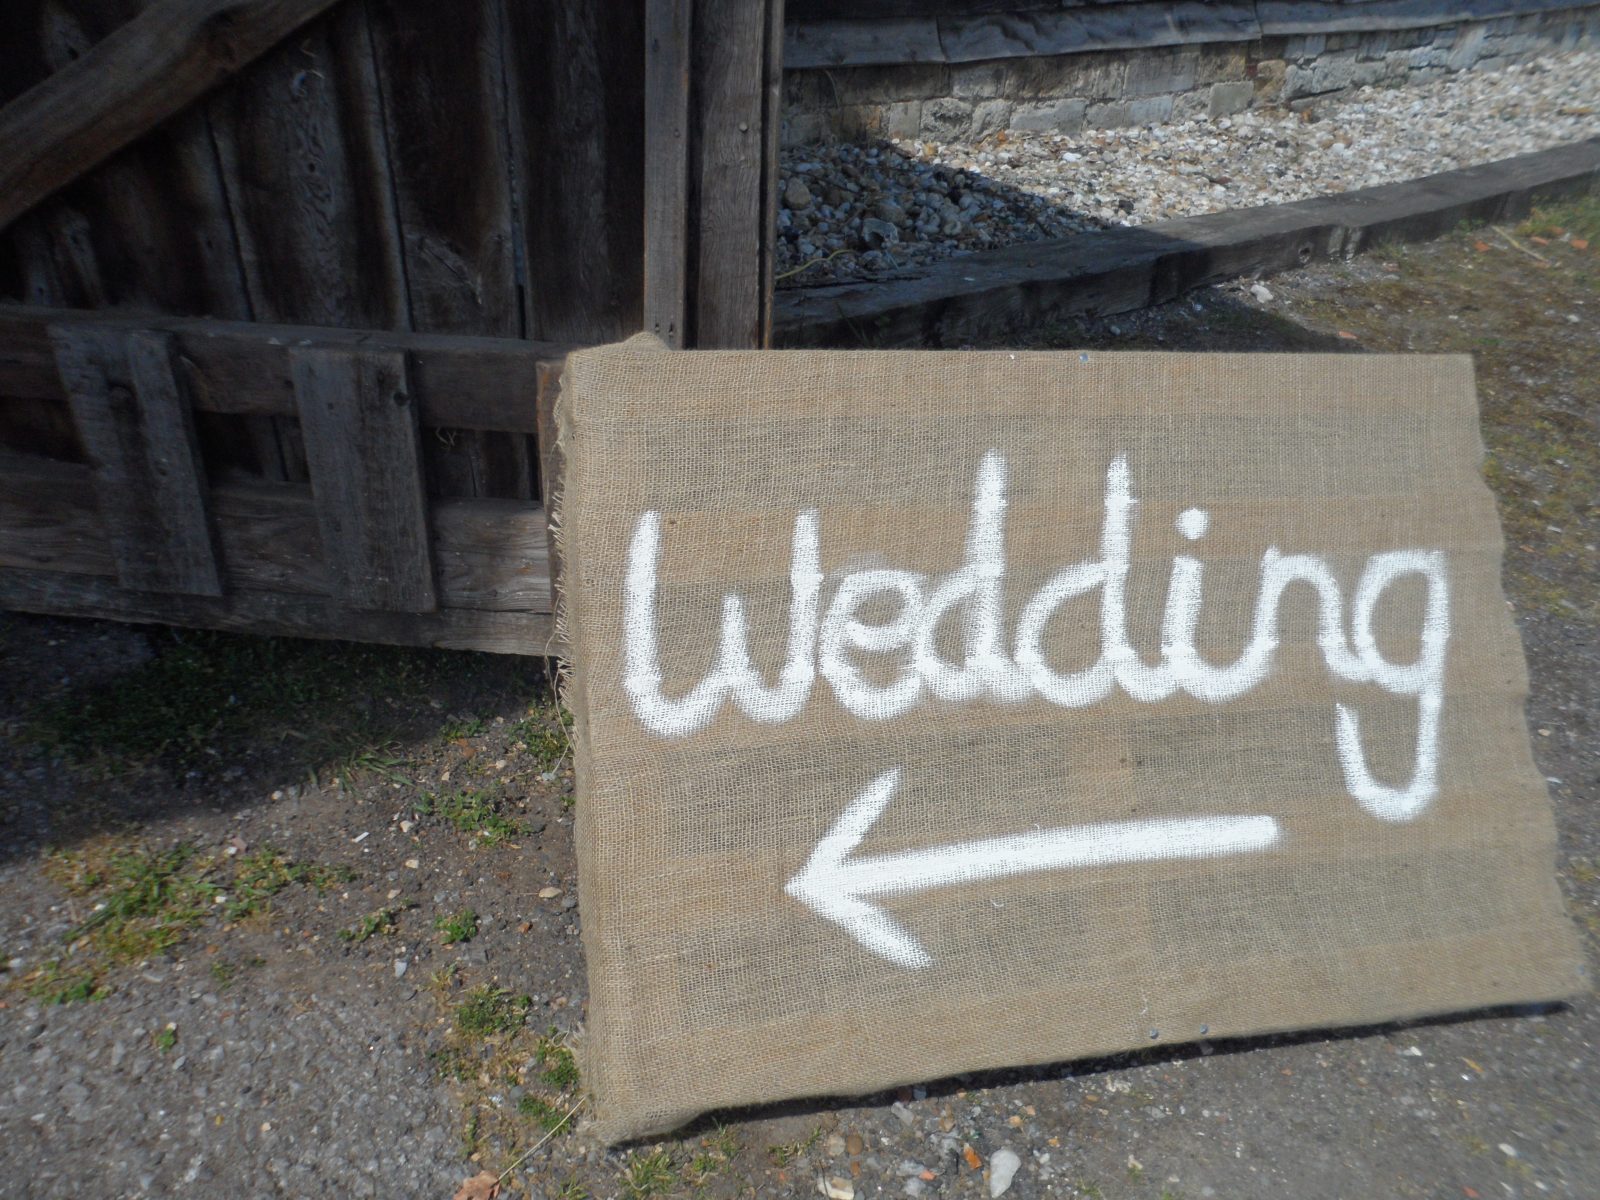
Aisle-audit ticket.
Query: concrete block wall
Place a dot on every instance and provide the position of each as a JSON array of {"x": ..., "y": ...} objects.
[{"x": 1105, "y": 89}]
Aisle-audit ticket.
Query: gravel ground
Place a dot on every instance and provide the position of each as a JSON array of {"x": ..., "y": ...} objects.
[
  {"x": 854, "y": 211},
  {"x": 303, "y": 1008}
]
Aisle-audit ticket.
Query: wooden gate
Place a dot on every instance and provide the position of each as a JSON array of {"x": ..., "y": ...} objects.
[{"x": 285, "y": 286}]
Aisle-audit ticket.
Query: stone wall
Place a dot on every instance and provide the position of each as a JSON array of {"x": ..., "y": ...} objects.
[{"x": 1104, "y": 89}]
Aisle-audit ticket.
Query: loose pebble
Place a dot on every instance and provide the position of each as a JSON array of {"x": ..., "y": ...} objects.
[
  {"x": 1002, "y": 1170},
  {"x": 891, "y": 208}
]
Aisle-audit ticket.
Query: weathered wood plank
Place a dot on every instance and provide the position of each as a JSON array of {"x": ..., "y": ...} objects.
[
  {"x": 577, "y": 87},
  {"x": 360, "y": 425},
  {"x": 305, "y": 163},
  {"x": 241, "y": 367},
  {"x": 1280, "y": 17},
  {"x": 490, "y": 554},
  {"x": 444, "y": 104},
  {"x": 550, "y": 468},
  {"x": 152, "y": 67},
  {"x": 666, "y": 168},
  {"x": 272, "y": 613},
  {"x": 148, "y": 229},
  {"x": 732, "y": 61},
  {"x": 49, "y": 519},
  {"x": 136, "y": 427},
  {"x": 849, "y": 43},
  {"x": 443, "y": 92},
  {"x": 1100, "y": 27}
]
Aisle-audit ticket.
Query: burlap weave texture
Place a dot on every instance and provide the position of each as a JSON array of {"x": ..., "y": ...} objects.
[{"x": 1052, "y": 856}]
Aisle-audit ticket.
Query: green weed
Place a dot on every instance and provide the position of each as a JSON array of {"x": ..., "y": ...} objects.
[
  {"x": 382, "y": 921},
  {"x": 458, "y": 926},
  {"x": 555, "y": 1061},
  {"x": 471, "y": 811},
  {"x": 166, "y": 1038},
  {"x": 648, "y": 1174},
  {"x": 552, "y": 1118},
  {"x": 783, "y": 1155},
  {"x": 488, "y": 1010},
  {"x": 262, "y": 875},
  {"x": 463, "y": 727}
]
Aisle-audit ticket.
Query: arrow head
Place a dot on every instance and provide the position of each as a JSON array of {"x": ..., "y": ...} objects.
[{"x": 829, "y": 886}]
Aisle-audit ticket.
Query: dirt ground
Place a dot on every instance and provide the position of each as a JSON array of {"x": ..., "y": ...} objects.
[{"x": 287, "y": 919}]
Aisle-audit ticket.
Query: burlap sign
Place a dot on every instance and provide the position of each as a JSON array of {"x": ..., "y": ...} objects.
[{"x": 946, "y": 711}]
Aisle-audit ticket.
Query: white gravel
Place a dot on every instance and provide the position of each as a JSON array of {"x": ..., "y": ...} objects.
[{"x": 888, "y": 208}]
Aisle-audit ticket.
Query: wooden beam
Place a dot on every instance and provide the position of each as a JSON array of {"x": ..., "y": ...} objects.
[
  {"x": 242, "y": 367},
  {"x": 360, "y": 427},
  {"x": 151, "y": 68},
  {"x": 735, "y": 59},
  {"x": 490, "y": 554},
  {"x": 136, "y": 426},
  {"x": 666, "y": 168},
  {"x": 271, "y": 613}
]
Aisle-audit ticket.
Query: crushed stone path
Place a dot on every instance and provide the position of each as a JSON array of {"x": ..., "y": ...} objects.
[{"x": 863, "y": 211}]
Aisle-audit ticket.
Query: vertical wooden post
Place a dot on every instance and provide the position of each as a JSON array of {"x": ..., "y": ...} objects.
[
  {"x": 737, "y": 57},
  {"x": 668, "y": 39},
  {"x": 136, "y": 425},
  {"x": 360, "y": 423}
]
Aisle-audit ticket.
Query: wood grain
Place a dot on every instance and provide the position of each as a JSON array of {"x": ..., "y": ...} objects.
[
  {"x": 490, "y": 554},
  {"x": 666, "y": 168},
  {"x": 732, "y": 61},
  {"x": 578, "y": 118},
  {"x": 273, "y": 613},
  {"x": 146, "y": 468},
  {"x": 240, "y": 367},
  {"x": 304, "y": 157},
  {"x": 360, "y": 425},
  {"x": 152, "y": 67}
]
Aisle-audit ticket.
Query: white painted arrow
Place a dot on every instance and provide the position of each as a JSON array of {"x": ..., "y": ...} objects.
[{"x": 841, "y": 888}]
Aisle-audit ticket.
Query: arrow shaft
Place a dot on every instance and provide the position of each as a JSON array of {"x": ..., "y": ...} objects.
[{"x": 1101, "y": 844}]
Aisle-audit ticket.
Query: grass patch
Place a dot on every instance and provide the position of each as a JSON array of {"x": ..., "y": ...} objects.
[
  {"x": 785, "y": 1153},
  {"x": 166, "y": 1038},
  {"x": 471, "y": 811},
  {"x": 142, "y": 903},
  {"x": 551, "y": 1117},
  {"x": 457, "y": 927},
  {"x": 488, "y": 1011},
  {"x": 145, "y": 901},
  {"x": 649, "y": 1174},
  {"x": 56, "y": 983},
  {"x": 463, "y": 727},
  {"x": 546, "y": 735},
  {"x": 262, "y": 875},
  {"x": 554, "y": 1061},
  {"x": 383, "y": 921},
  {"x": 203, "y": 688}
]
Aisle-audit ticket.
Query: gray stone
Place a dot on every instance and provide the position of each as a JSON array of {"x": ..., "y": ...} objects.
[
  {"x": 902, "y": 119},
  {"x": 946, "y": 118},
  {"x": 1167, "y": 71},
  {"x": 978, "y": 81},
  {"x": 1230, "y": 98},
  {"x": 1050, "y": 116},
  {"x": 1269, "y": 80},
  {"x": 990, "y": 116},
  {"x": 1150, "y": 110},
  {"x": 1467, "y": 49},
  {"x": 877, "y": 233},
  {"x": 796, "y": 194}
]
